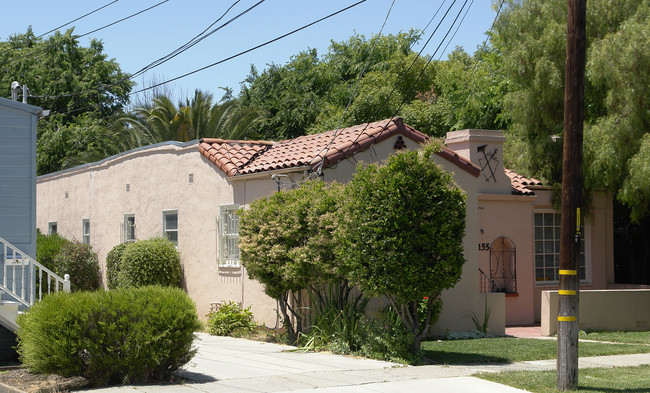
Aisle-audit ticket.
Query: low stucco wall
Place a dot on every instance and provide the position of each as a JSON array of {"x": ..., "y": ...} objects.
[{"x": 624, "y": 309}]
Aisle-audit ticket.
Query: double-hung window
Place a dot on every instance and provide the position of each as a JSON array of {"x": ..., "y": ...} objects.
[
  {"x": 170, "y": 226},
  {"x": 228, "y": 234},
  {"x": 128, "y": 228},
  {"x": 85, "y": 231},
  {"x": 547, "y": 249}
]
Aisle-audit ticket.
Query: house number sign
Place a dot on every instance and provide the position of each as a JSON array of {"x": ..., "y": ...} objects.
[{"x": 484, "y": 246}]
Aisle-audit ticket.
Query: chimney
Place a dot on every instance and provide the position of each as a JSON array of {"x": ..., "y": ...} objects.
[{"x": 485, "y": 149}]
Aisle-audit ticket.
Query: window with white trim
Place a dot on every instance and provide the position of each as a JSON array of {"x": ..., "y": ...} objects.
[
  {"x": 170, "y": 226},
  {"x": 128, "y": 228},
  {"x": 228, "y": 234},
  {"x": 85, "y": 231},
  {"x": 547, "y": 249}
]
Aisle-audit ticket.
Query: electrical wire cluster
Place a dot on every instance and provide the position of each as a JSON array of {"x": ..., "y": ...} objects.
[
  {"x": 317, "y": 171},
  {"x": 210, "y": 30}
]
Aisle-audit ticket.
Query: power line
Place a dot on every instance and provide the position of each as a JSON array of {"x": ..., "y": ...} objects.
[
  {"x": 81, "y": 17},
  {"x": 198, "y": 38},
  {"x": 250, "y": 49},
  {"x": 318, "y": 169},
  {"x": 83, "y": 35},
  {"x": 456, "y": 31},
  {"x": 215, "y": 63},
  {"x": 354, "y": 90}
]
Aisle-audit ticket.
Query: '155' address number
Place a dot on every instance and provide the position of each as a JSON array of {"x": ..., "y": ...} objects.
[{"x": 484, "y": 246}]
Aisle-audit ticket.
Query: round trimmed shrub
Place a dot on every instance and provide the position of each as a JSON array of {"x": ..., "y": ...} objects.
[
  {"x": 129, "y": 335},
  {"x": 81, "y": 263},
  {"x": 113, "y": 264},
  {"x": 150, "y": 262}
]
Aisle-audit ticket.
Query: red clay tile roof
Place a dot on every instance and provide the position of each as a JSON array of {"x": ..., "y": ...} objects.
[
  {"x": 244, "y": 157},
  {"x": 519, "y": 183}
]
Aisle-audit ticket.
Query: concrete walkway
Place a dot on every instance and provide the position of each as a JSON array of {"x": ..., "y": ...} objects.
[{"x": 225, "y": 364}]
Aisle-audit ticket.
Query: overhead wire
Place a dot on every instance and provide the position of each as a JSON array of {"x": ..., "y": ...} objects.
[
  {"x": 85, "y": 34},
  {"x": 356, "y": 85},
  {"x": 198, "y": 38},
  {"x": 318, "y": 169},
  {"x": 250, "y": 49},
  {"x": 79, "y": 18},
  {"x": 215, "y": 63}
]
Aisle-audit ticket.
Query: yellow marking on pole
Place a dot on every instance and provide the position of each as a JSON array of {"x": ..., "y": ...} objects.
[
  {"x": 566, "y": 292},
  {"x": 568, "y": 272},
  {"x": 566, "y": 319},
  {"x": 578, "y": 220}
]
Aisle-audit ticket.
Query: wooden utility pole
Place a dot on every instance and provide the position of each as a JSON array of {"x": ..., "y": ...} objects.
[{"x": 567, "y": 338}]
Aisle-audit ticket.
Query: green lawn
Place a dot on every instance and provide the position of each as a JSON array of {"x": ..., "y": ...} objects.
[
  {"x": 510, "y": 349},
  {"x": 591, "y": 380},
  {"x": 618, "y": 337}
]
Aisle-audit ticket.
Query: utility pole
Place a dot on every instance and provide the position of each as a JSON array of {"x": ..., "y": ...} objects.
[{"x": 568, "y": 328}]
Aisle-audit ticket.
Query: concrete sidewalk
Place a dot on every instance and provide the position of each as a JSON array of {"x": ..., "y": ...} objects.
[{"x": 225, "y": 364}]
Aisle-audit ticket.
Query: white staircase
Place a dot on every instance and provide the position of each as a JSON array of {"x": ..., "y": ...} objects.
[{"x": 24, "y": 281}]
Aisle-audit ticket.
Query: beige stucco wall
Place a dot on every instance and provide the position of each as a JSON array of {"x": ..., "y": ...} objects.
[
  {"x": 158, "y": 179},
  {"x": 621, "y": 309},
  {"x": 510, "y": 216}
]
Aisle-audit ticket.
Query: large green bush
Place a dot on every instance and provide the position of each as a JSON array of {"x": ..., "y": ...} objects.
[
  {"x": 401, "y": 233},
  {"x": 81, "y": 263},
  {"x": 113, "y": 264},
  {"x": 132, "y": 335},
  {"x": 150, "y": 262}
]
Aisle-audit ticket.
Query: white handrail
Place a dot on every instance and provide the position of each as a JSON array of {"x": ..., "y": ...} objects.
[{"x": 15, "y": 260}]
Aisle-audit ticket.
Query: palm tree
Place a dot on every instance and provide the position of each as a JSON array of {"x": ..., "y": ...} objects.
[{"x": 162, "y": 121}]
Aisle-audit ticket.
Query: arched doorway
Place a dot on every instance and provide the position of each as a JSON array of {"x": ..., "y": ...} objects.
[{"x": 503, "y": 265}]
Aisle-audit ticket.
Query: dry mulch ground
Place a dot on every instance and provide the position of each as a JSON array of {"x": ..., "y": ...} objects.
[{"x": 23, "y": 380}]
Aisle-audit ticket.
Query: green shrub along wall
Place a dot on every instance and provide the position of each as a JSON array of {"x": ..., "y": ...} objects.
[
  {"x": 81, "y": 263},
  {"x": 47, "y": 247},
  {"x": 150, "y": 262},
  {"x": 113, "y": 263},
  {"x": 132, "y": 335}
]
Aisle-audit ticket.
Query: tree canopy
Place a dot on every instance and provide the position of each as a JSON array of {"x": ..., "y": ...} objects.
[
  {"x": 531, "y": 38},
  {"x": 401, "y": 231},
  {"x": 63, "y": 76},
  {"x": 286, "y": 244}
]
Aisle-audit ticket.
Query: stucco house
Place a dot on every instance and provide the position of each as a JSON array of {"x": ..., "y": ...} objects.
[{"x": 190, "y": 192}]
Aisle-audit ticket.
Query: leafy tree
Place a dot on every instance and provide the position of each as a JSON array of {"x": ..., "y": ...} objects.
[
  {"x": 61, "y": 146},
  {"x": 57, "y": 66},
  {"x": 79, "y": 85},
  {"x": 401, "y": 234},
  {"x": 286, "y": 244},
  {"x": 310, "y": 93},
  {"x": 531, "y": 37}
]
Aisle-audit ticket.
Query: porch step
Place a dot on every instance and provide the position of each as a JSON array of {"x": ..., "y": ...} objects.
[{"x": 8, "y": 314}]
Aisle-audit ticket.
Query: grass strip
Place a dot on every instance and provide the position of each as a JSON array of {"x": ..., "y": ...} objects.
[
  {"x": 618, "y": 337},
  {"x": 510, "y": 349},
  {"x": 590, "y": 380}
]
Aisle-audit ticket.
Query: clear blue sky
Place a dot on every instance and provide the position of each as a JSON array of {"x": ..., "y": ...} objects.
[{"x": 138, "y": 41}]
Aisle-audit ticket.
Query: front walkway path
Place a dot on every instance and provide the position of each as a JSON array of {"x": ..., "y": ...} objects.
[{"x": 225, "y": 364}]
